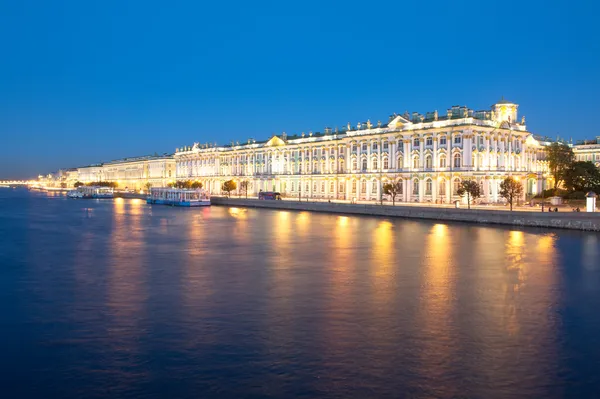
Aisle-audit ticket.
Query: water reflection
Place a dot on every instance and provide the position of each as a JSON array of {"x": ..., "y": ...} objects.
[
  {"x": 126, "y": 294},
  {"x": 225, "y": 302},
  {"x": 590, "y": 253}
]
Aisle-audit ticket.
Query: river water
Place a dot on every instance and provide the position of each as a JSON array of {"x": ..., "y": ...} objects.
[{"x": 117, "y": 298}]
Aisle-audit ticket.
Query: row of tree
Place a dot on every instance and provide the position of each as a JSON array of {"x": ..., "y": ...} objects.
[
  {"x": 96, "y": 184},
  {"x": 186, "y": 184},
  {"x": 510, "y": 189},
  {"x": 230, "y": 185},
  {"x": 573, "y": 176}
]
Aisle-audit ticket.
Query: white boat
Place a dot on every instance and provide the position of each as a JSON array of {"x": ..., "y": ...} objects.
[
  {"x": 88, "y": 192},
  {"x": 178, "y": 197}
]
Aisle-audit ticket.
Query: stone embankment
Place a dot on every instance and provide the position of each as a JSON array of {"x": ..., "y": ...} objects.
[{"x": 561, "y": 220}]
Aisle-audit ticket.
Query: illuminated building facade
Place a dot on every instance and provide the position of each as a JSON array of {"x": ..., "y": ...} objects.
[
  {"x": 588, "y": 150},
  {"x": 132, "y": 173},
  {"x": 429, "y": 154}
]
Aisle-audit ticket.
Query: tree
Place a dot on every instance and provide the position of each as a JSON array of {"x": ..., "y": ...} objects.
[
  {"x": 63, "y": 185},
  {"x": 582, "y": 176},
  {"x": 510, "y": 189},
  {"x": 229, "y": 186},
  {"x": 393, "y": 189},
  {"x": 244, "y": 184},
  {"x": 78, "y": 184},
  {"x": 560, "y": 159},
  {"x": 196, "y": 185},
  {"x": 148, "y": 186},
  {"x": 471, "y": 188}
]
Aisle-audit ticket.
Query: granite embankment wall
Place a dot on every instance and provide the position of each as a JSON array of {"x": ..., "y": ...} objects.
[{"x": 561, "y": 220}]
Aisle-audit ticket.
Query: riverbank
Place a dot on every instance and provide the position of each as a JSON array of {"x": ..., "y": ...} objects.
[{"x": 561, "y": 220}]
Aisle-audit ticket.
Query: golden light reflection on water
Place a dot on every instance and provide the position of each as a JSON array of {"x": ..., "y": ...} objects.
[
  {"x": 126, "y": 277},
  {"x": 384, "y": 254},
  {"x": 238, "y": 213},
  {"x": 437, "y": 311},
  {"x": 303, "y": 222},
  {"x": 197, "y": 276}
]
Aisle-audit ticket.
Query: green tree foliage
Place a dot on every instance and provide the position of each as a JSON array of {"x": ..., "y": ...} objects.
[
  {"x": 229, "y": 186},
  {"x": 244, "y": 184},
  {"x": 471, "y": 188},
  {"x": 582, "y": 176},
  {"x": 560, "y": 159},
  {"x": 78, "y": 184},
  {"x": 393, "y": 189},
  {"x": 511, "y": 190},
  {"x": 186, "y": 184},
  {"x": 148, "y": 186},
  {"x": 102, "y": 184}
]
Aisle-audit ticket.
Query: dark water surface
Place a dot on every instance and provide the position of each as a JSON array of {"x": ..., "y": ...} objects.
[{"x": 117, "y": 298}]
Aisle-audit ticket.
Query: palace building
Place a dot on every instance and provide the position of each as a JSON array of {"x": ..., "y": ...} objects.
[
  {"x": 588, "y": 150},
  {"x": 429, "y": 154},
  {"x": 132, "y": 173}
]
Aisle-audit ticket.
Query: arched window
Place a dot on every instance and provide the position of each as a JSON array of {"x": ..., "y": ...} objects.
[
  {"x": 386, "y": 163},
  {"x": 322, "y": 187},
  {"x": 428, "y": 187},
  {"x": 442, "y": 187},
  {"x": 457, "y": 160},
  {"x": 331, "y": 187},
  {"x": 307, "y": 187},
  {"x": 374, "y": 186},
  {"x": 353, "y": 186},
  {"x": 363, "y": 186},
  {"x": 428, "y": 161},
  {"x": 341, "y": 188},
  {"x": 416, "y": 187},
  {"x": 341, "y": 167},
  {"x": 354, "y": 164},
  {"x": 332, "y": 167},
  {"x": 400, "y": 162},
  {"x": 375, "y": 164},
  {"x": 292, "y": 186},
  {"x": 455, "y": 186},
  {"x": 442, "y": 161},
  {"x": 416, "y": 162},
  {"x": 400, "y": 186},
  {"x": 364, "y": 164}
]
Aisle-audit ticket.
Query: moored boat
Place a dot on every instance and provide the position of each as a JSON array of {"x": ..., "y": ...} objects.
[
  {"x": 178, "y": 197},
  {"x": 90, "y": 192}
]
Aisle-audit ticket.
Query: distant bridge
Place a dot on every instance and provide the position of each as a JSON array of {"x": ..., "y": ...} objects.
[{"x": 17, "y": 182}]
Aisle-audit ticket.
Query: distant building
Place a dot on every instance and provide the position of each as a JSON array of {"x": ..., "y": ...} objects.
[
  {"x": 429, "y": 154},
  {"x": 588, "y": 150},
  {"x": 132, "y": 173}
]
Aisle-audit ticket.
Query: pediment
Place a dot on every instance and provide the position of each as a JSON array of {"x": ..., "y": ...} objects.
[
  {"x": 275, "y": 142},
  {"x": 398, "y": 122}
]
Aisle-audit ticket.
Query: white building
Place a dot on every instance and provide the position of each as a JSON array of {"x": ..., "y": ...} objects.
[
  {"x": 588, "y": 150},
  {"x": 132, "y": 173},
  {"x": 429, "y": 154}
]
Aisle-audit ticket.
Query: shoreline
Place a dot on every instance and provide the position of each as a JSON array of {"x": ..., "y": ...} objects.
[{"x": 561, "y": 220}]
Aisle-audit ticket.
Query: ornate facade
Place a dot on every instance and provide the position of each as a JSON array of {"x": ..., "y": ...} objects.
[
  {"x": 588, "y": 150},
  {"x": 429, "y": 154},
  {"x": 132, "y": 173}
]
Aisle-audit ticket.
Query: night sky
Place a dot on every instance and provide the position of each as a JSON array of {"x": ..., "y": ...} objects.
[{"x": 91, "y": 81}]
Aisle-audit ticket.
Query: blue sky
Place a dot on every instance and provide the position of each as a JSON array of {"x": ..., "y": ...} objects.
[{"x": 91, "y": 81}]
